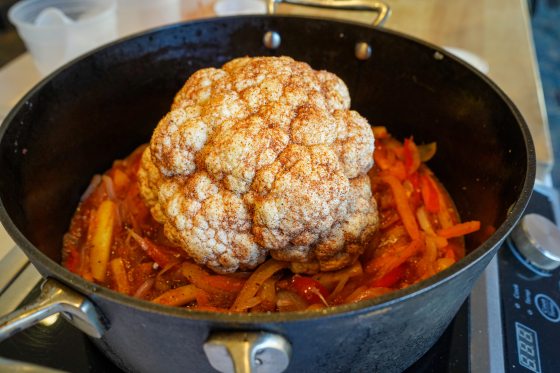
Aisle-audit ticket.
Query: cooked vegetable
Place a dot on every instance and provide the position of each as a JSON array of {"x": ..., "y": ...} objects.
[
  {"x": 430, "y": 194},
  {"x": 364, "y": 292},
  {"x": 419, "y": 235},
  {"x": 290, "y": 301},
  {"x": 261, "y": 191},
  {"x": 120, "y": 276},
  {"x": 390, "y": 279},
  {"x": 262, "y": 157},
  {"x": 427, "y": 151},
  {"x": 403, "y": 206},
  {"x": 178, "y": 297},
  {"x": 245, "y": 299},
  {"x": 211, "y": 283},
  {"x": 101, "y": 238},
  {"x": 124, "y": 248},
  {"x": 309, "y": 289},
  {"x": 411, "y": 156},
  {"x": 331, "y": 280},
  {"x": 120, "y": 182},
  {"x": 161, "y": 256},
  {"x": 460, "y": 229},
  {"x": 392, "y": 257}
]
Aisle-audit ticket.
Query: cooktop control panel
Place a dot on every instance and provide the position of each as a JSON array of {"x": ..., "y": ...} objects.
[{"x": 530, "y": 292}]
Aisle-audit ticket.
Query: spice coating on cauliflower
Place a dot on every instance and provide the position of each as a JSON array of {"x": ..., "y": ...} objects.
[{"x": 262, "y": 156}]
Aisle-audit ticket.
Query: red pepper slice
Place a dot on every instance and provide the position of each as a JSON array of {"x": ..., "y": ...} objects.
[
  {"x": 411, "y": 156},
  {"x": 430, "y": 194},
  {"x": 415, "y": 180},
  {"x": 73, "y": 260},
  {"x": 309, "y": 289},
  {"x": 158, "y": 254},
  {"x": 389, "y": 279},
  {"x": 381, "y": 157}
]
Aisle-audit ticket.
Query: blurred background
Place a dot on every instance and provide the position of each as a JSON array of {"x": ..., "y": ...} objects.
[
  {"x": 11, "y": 45},
  {"x": 544, "y": 16},
  {"x": 545, "y": 20}
]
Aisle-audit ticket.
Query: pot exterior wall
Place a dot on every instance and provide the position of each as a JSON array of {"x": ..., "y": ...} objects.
[{"x": 386, "y": 339}]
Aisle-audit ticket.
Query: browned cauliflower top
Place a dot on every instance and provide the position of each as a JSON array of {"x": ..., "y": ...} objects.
[{"x": 262, "y": 156}]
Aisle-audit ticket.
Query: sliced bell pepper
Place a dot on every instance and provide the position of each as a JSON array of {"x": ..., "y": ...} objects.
[
  {"x": 460, "y": 229},
  {"x": 389, "y": 279},
  {"x": 430, "y": 194},
  {"x": 309, "y": 289},
  {"x": 158, "y": 254},
  {"x": 411, "y": 156}
]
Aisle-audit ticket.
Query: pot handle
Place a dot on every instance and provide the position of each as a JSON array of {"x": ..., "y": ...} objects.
[
  {"x": 55, "y": 298},
  {"x": 381, "y": 8},
  {"x": 248, "y": 352}
]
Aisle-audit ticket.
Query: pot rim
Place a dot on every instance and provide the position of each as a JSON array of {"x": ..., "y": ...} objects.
[{"x": 379, "y": 304}]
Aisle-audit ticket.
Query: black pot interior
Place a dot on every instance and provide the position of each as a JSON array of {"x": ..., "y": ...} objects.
[{"x": 76, "y": 122}]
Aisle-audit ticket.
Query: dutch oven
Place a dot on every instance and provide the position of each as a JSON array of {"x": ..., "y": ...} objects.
[{"x": 98, "y": 108}]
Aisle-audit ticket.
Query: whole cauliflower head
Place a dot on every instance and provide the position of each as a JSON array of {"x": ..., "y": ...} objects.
[{"x": 262, "y": 156}]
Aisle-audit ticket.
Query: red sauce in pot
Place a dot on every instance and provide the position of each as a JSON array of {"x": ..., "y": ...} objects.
[{"x": 114, "y": 241}]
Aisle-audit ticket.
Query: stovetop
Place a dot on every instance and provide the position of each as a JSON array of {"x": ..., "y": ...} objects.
[
  {"x": 510, "y": 323},
  {"x": 530, "y": 302}
]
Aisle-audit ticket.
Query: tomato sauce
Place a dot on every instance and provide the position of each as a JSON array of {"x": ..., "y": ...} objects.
[{"x": 114, "y": 241}]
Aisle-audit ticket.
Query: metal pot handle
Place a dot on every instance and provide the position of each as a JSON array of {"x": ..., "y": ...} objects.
[
  {"x": 55, "y": 298},
  {"x": 382, "y": 9},
  {"x": 248, "y": 352}
]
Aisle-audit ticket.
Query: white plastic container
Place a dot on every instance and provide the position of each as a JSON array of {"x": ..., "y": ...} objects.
[{"x": 56, "y": 31}]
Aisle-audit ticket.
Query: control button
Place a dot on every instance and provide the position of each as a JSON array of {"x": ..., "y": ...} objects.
[
  {"x": 547, "y": 307},
  {"x": 538, "y": 240}
]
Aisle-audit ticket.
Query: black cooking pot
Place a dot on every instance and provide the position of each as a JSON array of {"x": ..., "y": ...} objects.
[{"x": 99, "y": 108}]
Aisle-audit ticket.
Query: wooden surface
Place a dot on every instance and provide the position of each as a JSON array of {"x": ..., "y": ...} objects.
[{"x": 498, "y": 31}]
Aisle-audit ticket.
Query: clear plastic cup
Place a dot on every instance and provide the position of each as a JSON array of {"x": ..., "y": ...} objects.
[
  {"x": 138, "y": 15},
  {"x": 56, "y": 31}
]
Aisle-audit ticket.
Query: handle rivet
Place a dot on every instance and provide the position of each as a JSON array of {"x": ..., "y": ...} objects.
[
  {"x": 362, "y": 51},
  {"x": 272, "y": 40}
]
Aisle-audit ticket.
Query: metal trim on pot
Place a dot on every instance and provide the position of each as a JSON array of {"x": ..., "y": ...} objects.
[{"x": 381, "y": 8}]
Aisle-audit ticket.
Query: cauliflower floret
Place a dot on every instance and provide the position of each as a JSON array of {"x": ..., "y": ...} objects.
[
  {"x": 150, "y": 178},
  {"x": 352, "y": 145},
  {"x": 212, "y": 222},
  {"x": 237, "y": 151},
  {"x": 262, "y": 156},
  {"x": 345, "y": 240},
  {"x": 299, "y": 197}
]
